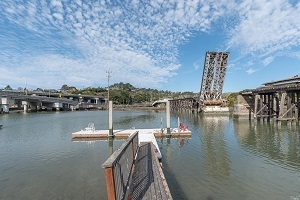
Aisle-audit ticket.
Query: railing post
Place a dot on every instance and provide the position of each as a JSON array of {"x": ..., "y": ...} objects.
[
  {"x": 110, "y": 183},
  {"x": 116, "y": 168}
]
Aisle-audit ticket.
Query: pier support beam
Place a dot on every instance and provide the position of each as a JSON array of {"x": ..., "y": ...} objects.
[
  {"x": 168, "y": 118},
  {"x": 298, "y": 107},
  {"x": 110, "y": 124}
]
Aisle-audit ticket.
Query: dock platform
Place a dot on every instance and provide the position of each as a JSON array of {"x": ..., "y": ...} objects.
[{"x": 128, "y": 132}]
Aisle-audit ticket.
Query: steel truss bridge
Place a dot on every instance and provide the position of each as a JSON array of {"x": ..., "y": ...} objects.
[
  {"x": 213, "y": 77},
  {"x": 214, "y": 72}
]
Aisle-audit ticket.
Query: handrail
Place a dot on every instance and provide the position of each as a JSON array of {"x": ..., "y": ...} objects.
[
  {"x": 112, "y": 159},
  {"x": 118, "y": 168}
]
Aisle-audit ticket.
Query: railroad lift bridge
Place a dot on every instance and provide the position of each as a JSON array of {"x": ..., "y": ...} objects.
[{"x": 210, "y": 98}]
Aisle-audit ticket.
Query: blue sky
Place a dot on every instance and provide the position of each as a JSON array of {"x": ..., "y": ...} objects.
[{"x": 158, "y": 44}]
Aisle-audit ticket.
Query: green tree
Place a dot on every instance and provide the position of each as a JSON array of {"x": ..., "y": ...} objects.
[
  {"x": 231, "y": 98},
  {"x": 8, "y": 87}
]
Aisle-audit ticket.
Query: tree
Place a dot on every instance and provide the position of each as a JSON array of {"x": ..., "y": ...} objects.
[
  {"x": 20, "y": 89},
  {"x": 231, "y": 98},
  {"x": 8, "y": 87},
  {"x": 65, "y": 87}
]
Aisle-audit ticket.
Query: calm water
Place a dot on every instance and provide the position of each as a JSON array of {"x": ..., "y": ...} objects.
[{"x": 224, "y": 159}]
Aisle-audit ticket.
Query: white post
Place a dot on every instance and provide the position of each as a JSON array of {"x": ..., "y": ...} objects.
[
  {"x": 168, "y": 117},
  {"x": 25, "y": 104},
  {"x": 110, "y": 124}
]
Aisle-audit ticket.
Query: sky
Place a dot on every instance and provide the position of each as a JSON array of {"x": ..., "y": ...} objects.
[{"x": 154, "y": 44}]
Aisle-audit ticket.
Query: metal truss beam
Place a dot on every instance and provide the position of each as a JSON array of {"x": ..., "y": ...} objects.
[{"x": 214, "y": 72}]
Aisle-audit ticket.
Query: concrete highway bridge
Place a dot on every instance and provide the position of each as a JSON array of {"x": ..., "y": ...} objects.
[
  {"x": 34, "y": 101},
  {"x": 276, "y": 100}
]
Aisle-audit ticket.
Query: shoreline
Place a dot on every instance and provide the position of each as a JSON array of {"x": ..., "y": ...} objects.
[{"x": 116, "y": 107}]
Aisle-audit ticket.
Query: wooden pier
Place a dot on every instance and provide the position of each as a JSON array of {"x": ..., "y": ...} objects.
[
  {"x": 133, "y": 172},
  {"x": 273, "y": 102}
]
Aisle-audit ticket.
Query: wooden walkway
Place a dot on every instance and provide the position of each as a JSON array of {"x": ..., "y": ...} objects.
[
  {"x": 148, "y": 181},
  {"x": 134, "y": 172}
]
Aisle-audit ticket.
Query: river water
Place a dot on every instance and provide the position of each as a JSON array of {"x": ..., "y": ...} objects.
[{"x": 225, "y": 158}]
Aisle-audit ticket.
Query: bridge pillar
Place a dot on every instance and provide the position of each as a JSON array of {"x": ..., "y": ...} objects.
[
  {"x": 25, "y": 106},
  {"x": 298, "y": 107},
  {"x": 5, "y": 108},
  {"x": 243, "y": 106},
  {"x": 72, "y": 107},
  {"x": 19, "y": 104},
  {"x": 275, "y": 107},
  {"x": 256, "y": 106},
  {"x": 4, "y": 104},
  {"x": 33, "y": 106},
  {"x": 39, "y": 106},
  {"x": 57, "y": 106}
]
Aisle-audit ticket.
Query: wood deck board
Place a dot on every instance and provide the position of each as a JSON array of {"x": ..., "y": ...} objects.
[
  {"x": 128, "y": 132},
  {"x": 147, "y": 182}
]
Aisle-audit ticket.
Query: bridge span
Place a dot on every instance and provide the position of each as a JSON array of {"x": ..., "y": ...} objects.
[
  {"x": 210, "y": 97},
  {"x": 277, "y": 100},
  {"x": 38, "y": 101}
]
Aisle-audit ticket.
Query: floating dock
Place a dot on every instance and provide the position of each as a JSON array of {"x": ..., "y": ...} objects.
[{"x": 88, "y": 133}]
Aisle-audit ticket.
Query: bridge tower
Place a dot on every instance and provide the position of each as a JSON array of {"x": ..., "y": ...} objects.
[{"x": 214, "y": 71}]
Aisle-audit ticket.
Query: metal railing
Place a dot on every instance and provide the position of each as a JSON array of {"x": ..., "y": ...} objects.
[{"x": 118, "y": 168}]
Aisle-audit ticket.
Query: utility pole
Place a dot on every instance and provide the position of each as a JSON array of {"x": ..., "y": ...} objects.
[{"x": 108, "y": 77}]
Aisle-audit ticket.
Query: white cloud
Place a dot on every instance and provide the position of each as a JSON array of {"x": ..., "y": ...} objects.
[
  {"x": 266, "y": 27},
  {"x": 251, "y": 71},
  {"x": 138, "y": 41},
  {"x": 58, "y": 16},
  {"x": 268, "y": 60},
  {"x": 56, "y": 3}
]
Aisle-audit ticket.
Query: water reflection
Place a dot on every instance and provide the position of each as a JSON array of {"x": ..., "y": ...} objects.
[
  {"x": 216, "y": 157},
  {"x": 224, "y": 158},
  {"x": 281, "y": 145},
  {"x": 135, "y": 119}
]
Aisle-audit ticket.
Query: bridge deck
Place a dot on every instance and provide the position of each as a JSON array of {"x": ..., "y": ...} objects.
[{"x": 148, "y": 181}]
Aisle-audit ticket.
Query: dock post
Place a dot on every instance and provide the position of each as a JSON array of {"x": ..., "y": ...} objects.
[
  {"x": 168, "y": 118},
  {"x": 110, "y": 125}
]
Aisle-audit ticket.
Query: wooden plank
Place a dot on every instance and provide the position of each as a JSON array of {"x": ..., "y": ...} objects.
[
  {"x": 148, "y": 179},
  {"x": 166, "y": 194}
]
